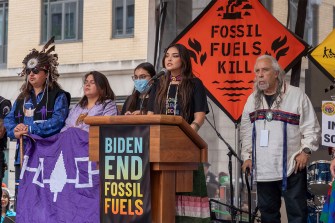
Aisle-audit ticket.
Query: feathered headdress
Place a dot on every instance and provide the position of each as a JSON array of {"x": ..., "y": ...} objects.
[{"x": 43, "y": 59}]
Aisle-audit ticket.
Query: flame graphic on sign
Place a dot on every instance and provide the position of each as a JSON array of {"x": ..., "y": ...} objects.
[
  {"x": 196, "y": 46},
  {"x": 278, "y": 44}
]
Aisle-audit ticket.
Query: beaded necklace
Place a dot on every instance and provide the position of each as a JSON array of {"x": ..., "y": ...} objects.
[
  {"x": 175, "y": 100},
  {"x": 30, "y": 112},
  {"x": 175, "y": 78},
  {"x": 269, "y": 112},
  {"x": 142, "y": 99}
]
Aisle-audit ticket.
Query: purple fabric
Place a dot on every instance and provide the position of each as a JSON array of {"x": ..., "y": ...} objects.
[
  {"x": 104, "y": 109},
  {"x": 67, "y": 187}
]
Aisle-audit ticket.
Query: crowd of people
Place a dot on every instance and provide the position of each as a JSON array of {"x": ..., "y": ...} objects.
[
  {"x": 279, "y": 128},
  {"x": 43, "y": 108}
]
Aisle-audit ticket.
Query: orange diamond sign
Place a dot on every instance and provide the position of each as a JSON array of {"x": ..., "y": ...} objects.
[{"x": 224, "y": 42}]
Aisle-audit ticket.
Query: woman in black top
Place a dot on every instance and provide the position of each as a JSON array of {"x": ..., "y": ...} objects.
[
  {"x": 136, "y": 103},
  {"x": 179, "y": 92}
]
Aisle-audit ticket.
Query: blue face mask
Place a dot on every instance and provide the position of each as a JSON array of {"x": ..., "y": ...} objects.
[{"x": 141, "y": 85}]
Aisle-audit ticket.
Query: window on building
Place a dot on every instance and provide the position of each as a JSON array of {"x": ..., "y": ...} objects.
[
  {"x": 123, "y": 18},
  {"x": 62, "y": 19},
  {"x": 333, "y": 16},
  {"x": 267, "y": 4},
  {"x": 3, "y": 31},
  {"x": 311, "y": 21}
]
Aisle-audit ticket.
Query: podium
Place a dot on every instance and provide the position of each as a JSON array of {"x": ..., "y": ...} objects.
[{"x": 175, "y": 151}]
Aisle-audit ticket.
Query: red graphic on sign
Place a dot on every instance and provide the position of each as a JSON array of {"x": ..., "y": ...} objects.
[{"x": 224, "y": 42}]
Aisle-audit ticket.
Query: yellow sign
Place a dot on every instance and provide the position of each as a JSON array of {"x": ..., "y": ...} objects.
[{"x": 323, "y": 56}]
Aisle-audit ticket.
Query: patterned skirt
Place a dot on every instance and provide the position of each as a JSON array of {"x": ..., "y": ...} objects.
[{"x": 193, "y": 207}]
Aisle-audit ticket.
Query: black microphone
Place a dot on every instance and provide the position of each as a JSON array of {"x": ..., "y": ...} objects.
[
  {"x": 154, "y": 78},
  {"x": 161, "y": 73}
]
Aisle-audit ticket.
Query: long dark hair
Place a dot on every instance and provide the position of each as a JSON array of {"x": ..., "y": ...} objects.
[
  {"x": 131, "y": 105},
  {"x": 103, "y": 87},
  {"x": 185, "y": 87}
]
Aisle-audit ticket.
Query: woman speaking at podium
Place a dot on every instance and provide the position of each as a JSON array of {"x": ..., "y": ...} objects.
[{"x": 181, "y": 93}]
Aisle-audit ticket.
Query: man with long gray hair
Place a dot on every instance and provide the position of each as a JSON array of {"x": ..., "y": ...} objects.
[{"x": 279, "y": 131}]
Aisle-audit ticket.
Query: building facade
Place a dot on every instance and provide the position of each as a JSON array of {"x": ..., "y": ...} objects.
[{"x": 89, "y": 36}]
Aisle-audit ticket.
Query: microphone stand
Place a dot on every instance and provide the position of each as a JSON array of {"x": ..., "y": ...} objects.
[
  {"x": 154, "y": 81},
  {"x": 233, "y": 209},
  {"x": 249, "y": 193},
  {"x": 146, "y": 93}
]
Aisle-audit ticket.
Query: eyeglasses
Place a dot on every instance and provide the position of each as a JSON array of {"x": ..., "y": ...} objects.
[
  {"x": 35, "y": 70},
  {"x": 141, "y": 77},
  {"x": 89, "y": 82}
]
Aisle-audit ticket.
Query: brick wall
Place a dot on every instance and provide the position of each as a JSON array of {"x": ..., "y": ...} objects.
[{"x": 24, "y": 32}]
